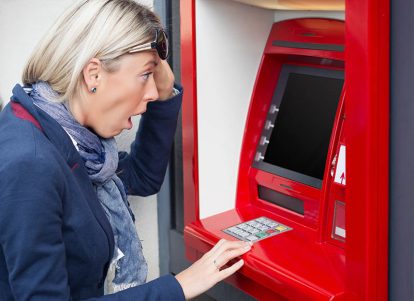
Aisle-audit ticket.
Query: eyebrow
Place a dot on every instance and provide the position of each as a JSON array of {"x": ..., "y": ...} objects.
[{"x": 151, "y": 62}]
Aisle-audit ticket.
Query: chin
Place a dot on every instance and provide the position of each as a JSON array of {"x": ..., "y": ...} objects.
[
  {"x": 108, "y": 135},
  {"x": 117, "y": 132}
]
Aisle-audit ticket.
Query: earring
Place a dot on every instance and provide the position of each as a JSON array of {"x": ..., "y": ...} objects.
[{"x": 93, "y": 90}]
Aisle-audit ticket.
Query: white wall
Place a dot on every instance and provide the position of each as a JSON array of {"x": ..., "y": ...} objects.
[
  {"x": 230, "y": 40},
  {"x": 22, "y": 24}
]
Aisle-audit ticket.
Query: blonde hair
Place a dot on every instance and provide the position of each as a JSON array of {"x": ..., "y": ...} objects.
[{"x": 104, "y": 29}]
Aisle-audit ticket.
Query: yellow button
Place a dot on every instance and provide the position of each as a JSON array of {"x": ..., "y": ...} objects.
[{"x": 281, "y": 228}]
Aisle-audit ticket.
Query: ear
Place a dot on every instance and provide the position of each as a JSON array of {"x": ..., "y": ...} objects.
[{"x": 92, "y": 73}]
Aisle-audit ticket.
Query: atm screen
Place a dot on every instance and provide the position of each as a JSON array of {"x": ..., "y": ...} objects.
[{"x": 298, "y": 140}]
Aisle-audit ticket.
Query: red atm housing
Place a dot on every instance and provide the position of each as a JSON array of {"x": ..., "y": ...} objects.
[
  {"x": 337, "y": 249},
  {"x": 307, "y": 262}
]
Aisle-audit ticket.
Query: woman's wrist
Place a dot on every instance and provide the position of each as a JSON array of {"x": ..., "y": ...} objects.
[{"x": 182, "y": 283}]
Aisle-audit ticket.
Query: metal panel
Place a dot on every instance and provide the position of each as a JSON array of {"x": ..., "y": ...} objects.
[{"x": 401, "y": 262}]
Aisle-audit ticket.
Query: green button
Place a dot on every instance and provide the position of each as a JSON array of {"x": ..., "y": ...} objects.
[{"x": 261, "y": 234}]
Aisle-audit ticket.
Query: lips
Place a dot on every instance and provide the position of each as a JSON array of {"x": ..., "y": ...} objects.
[{"x": 130, "y": 125}]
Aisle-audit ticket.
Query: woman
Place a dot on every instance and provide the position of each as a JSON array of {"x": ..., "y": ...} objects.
[{"x": 64, "y": 215}]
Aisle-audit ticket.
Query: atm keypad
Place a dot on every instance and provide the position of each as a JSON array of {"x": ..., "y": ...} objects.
[{"x": 257, "y": 229}]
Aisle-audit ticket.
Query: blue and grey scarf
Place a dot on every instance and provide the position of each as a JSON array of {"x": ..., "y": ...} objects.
[{"x": 101, "y": 160}]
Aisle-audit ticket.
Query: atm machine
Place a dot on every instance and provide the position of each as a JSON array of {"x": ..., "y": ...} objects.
[
  {"x": 291, "y": 180},
  {"x": 291, "y": 198}
]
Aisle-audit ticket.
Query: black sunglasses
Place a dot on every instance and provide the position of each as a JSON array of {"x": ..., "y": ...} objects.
[{"x": 160, "y": 44}]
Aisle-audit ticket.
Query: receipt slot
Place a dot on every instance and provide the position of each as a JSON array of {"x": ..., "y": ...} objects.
[{"x": 291, "y": 198}]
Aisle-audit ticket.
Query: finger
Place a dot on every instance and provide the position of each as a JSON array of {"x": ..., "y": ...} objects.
[
  {"x": 229, "y": 245},
  {"x": 164, "y": 80},
  {"x": 163, "y": 68},
  {"x": 224, "y": 273},
  {"x": 217, "y": 245},
  {"x": 228, "y": 255}
]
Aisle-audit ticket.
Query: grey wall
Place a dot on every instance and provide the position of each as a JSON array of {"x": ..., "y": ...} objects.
[{"x": 401, "y": 264}]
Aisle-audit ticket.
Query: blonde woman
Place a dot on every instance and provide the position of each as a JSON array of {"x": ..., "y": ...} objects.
[{"x": 64, "y": 215}]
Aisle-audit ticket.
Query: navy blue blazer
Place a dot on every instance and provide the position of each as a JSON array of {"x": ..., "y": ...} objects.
[{"x": 55, "y": 240}]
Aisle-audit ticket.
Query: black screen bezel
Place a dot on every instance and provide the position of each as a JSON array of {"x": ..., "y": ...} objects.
[{"x": 276, "y": 100}]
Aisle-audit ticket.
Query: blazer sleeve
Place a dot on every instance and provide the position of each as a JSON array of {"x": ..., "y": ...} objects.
[
  {"x": 31, "y": 238},
  {"x": 143, "y": 169},
  {"x": 165, "y": 288}
]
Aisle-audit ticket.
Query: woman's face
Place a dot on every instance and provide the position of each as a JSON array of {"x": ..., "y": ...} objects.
[{"x": 121, "y": 94}]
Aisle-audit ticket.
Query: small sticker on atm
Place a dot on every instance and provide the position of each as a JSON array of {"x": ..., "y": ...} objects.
[{"x": 340, "y": 232}]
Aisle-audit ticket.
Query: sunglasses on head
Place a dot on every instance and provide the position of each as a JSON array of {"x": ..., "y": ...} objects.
[{"x": 160, "y": 44}]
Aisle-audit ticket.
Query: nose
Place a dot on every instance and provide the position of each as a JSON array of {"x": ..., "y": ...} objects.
[{"x": 152, "y": 91}]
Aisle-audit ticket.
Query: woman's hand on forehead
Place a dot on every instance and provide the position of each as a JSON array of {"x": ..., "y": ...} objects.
[{"x": 164, "y": 79}]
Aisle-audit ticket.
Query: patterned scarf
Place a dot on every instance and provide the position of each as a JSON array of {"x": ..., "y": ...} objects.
[{"x": 101, "y": 160}]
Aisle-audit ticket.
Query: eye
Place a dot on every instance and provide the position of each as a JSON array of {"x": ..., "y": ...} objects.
[{"x": 146, "y": 75}]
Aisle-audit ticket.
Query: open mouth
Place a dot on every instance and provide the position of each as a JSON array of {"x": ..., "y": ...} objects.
[{"x": 129, "y": 123}]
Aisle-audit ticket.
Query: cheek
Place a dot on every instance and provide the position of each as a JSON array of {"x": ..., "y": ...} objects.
[
  {"x": 121, "y": 100},
  {"x": 135, "y": 99},
  {"x": 129, "y": 105}
]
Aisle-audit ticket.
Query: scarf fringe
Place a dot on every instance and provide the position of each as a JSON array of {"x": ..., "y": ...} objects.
[{"x": 123, "y": 286}]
